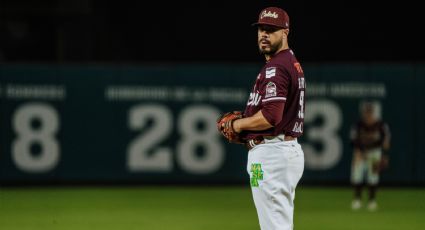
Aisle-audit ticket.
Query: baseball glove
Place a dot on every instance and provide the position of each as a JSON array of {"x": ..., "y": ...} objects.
[
  {"x": 225, "y": 126},
  {"x": 381, "y": 164}
]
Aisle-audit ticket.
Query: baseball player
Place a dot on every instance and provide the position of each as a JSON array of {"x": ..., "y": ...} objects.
[
  {"x": 370, "y": 137},
  {"x": 271, "y": 123}
]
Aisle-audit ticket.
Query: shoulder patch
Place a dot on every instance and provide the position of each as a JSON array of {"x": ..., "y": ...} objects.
[
  {"x": 270, "y": 72},
  {"x": 270, "y": 90}
]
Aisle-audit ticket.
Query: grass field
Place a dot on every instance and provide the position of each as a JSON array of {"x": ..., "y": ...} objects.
[{"x": 183, "y": 208}]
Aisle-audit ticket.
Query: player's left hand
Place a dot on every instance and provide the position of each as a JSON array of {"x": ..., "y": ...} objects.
[{"x": 225, "y": 126}]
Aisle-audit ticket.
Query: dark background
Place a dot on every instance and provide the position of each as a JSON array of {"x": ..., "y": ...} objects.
[{"x": 80, "y": 31}]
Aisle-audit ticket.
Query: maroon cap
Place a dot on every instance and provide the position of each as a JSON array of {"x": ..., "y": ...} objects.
[{"x": 273, "y": 16}]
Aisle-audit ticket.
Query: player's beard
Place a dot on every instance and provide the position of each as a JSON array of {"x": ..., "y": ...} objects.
[{"x": 271, "y": 50}]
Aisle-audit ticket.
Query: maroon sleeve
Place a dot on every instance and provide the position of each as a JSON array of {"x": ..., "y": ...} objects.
[
  {"x": 275, "y": 85},
  {"x": 273, "y": 112},
  {"x": 354, "y": 136},
  {"x": 386, "y": 131}
]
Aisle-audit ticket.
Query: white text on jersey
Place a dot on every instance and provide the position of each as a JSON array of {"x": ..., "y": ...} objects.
[
  {"x": 298, "y": 127},
  {"x": 254, "y": 99},
  {"x": 301, "y": 83}
]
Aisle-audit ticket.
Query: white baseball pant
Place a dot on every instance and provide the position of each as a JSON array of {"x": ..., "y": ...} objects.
[
  {"x": 275, "y": 168},
  {"x": 362, "y": 169}
]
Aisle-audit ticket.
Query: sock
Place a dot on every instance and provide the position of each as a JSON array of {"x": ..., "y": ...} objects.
[
  {"x": 372, "y": 192},
  {"x": 358, "y": 191}
]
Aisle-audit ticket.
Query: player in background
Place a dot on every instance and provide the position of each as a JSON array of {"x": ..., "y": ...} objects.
[
  {"x": 273, "y": 120},
  {"x": 370, "y": 138}
]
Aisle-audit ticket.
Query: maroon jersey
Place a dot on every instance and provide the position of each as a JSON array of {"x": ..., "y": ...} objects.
[
  {"x": 280, "y": 81},
  {"x": 366, "y": 137}
]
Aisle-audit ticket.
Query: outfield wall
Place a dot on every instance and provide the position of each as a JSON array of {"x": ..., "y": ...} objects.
[{"x": 156, "y": 124}]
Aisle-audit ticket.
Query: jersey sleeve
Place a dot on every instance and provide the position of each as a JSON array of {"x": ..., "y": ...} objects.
[
  {"x": 354, "y": 136},
  {"x": 275, "y": 84},
  {"x": 386, "y": 131},
  {"x": 273, "y": 112},
  {"x": 386, "y": 136}
]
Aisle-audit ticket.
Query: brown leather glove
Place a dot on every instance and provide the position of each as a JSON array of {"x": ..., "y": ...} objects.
[
  {"x": 225, "y": 126},
  {"x": 382, "y": 164}
]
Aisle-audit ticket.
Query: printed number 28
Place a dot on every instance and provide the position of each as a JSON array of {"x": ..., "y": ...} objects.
[{"x": 145, "y": 154}]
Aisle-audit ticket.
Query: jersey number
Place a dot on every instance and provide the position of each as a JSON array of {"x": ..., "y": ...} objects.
[{"x": 301, "y": 111}]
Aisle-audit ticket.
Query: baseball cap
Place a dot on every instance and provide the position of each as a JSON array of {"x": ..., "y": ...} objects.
[{"x": 274, "y": 16}]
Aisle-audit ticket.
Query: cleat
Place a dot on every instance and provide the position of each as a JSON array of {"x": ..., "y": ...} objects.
[
  {"x": 372, "y": 206},
  {"x": 356, "y": 204}
]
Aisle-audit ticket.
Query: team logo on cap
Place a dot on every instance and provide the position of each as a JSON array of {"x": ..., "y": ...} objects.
[{"x": 269, "y": 14}]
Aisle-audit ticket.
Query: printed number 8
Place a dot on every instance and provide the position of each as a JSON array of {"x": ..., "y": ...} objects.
[{"x": 43, "y": 134}]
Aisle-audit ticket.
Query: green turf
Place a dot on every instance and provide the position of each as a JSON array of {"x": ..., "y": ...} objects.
[{"x": 215, "y": 208}]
